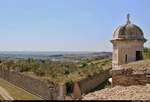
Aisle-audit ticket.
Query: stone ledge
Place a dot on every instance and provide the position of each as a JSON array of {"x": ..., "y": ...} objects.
[{"x": 129, "y": 71}]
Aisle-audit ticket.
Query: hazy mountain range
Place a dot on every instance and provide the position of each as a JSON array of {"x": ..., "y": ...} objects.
[{"x": 55, "y": 55}]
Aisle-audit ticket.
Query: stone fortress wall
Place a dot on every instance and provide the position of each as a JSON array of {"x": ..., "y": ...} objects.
[
  {"x": 49, "y": 90},
  {"x": 44, "y": 89},
  {"x": 88, "y": 84}
]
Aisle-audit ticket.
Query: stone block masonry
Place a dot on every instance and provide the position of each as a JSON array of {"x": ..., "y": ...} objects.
[
  {"x": 89, "y": 83},
  {"x": 127, "y": 77},
  {"x": 47, "y": 90}
]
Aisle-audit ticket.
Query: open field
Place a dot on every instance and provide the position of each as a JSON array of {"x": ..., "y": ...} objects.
[{"x": 16, "y": 92}]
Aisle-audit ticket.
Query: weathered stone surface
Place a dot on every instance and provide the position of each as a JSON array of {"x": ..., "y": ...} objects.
[
  {"x": 135, "y": 73},
  {"x": 76, "y": 91},
  {"x": 87, "y": 84},
  {"x": 133, "y": 92},
  {"x": 147, "y": 72},
  {"x": 45, "y": 89},
  {"x": 130, "y": 80},
  {"x": 117, "y": 72}
]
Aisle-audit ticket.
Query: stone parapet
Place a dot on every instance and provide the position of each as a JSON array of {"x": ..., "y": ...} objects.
[{"x": 127, "y": 77}]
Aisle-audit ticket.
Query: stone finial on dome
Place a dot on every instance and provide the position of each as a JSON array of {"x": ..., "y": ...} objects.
[
  {"x": 128, "y": 31},
  {"x": 128, "y": 19}
]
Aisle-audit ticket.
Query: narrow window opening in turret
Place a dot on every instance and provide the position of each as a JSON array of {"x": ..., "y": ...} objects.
[{"x": 126, "y": 58}]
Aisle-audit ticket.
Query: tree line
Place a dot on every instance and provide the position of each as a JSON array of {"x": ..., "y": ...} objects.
[{"x": 146, "y": 53}]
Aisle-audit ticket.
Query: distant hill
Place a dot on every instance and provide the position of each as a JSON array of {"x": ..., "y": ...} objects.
[{"x": 58, "y": 55}]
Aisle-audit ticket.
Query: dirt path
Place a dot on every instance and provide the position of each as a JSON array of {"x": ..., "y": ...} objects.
[{"x": 5, "y": 94}]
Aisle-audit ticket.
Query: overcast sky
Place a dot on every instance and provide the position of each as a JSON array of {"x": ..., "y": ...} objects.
[{"x": 67, "y": 25}]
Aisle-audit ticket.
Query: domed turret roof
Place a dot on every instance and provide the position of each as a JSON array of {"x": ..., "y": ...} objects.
[{"x": 128, "y": 31}]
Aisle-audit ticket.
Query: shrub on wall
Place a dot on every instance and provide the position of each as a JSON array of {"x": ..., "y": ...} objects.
[
  {"x": 39, "y": 72},
  {"x": 69, "y": 86}
]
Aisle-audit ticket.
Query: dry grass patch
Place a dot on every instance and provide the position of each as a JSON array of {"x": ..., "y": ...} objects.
[
  {"x": 137, "y": 65},
  {"x": 16, "y": 92}
]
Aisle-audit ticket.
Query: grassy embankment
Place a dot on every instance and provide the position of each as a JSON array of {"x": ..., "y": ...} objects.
[{"x": 16, "y": 92}]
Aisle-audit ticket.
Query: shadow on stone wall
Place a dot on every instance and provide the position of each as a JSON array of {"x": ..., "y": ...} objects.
[
  {"x": 43, "y": 88},
  {"x": 49, "y": 90},
  {"x": 88, "y": 84}
]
